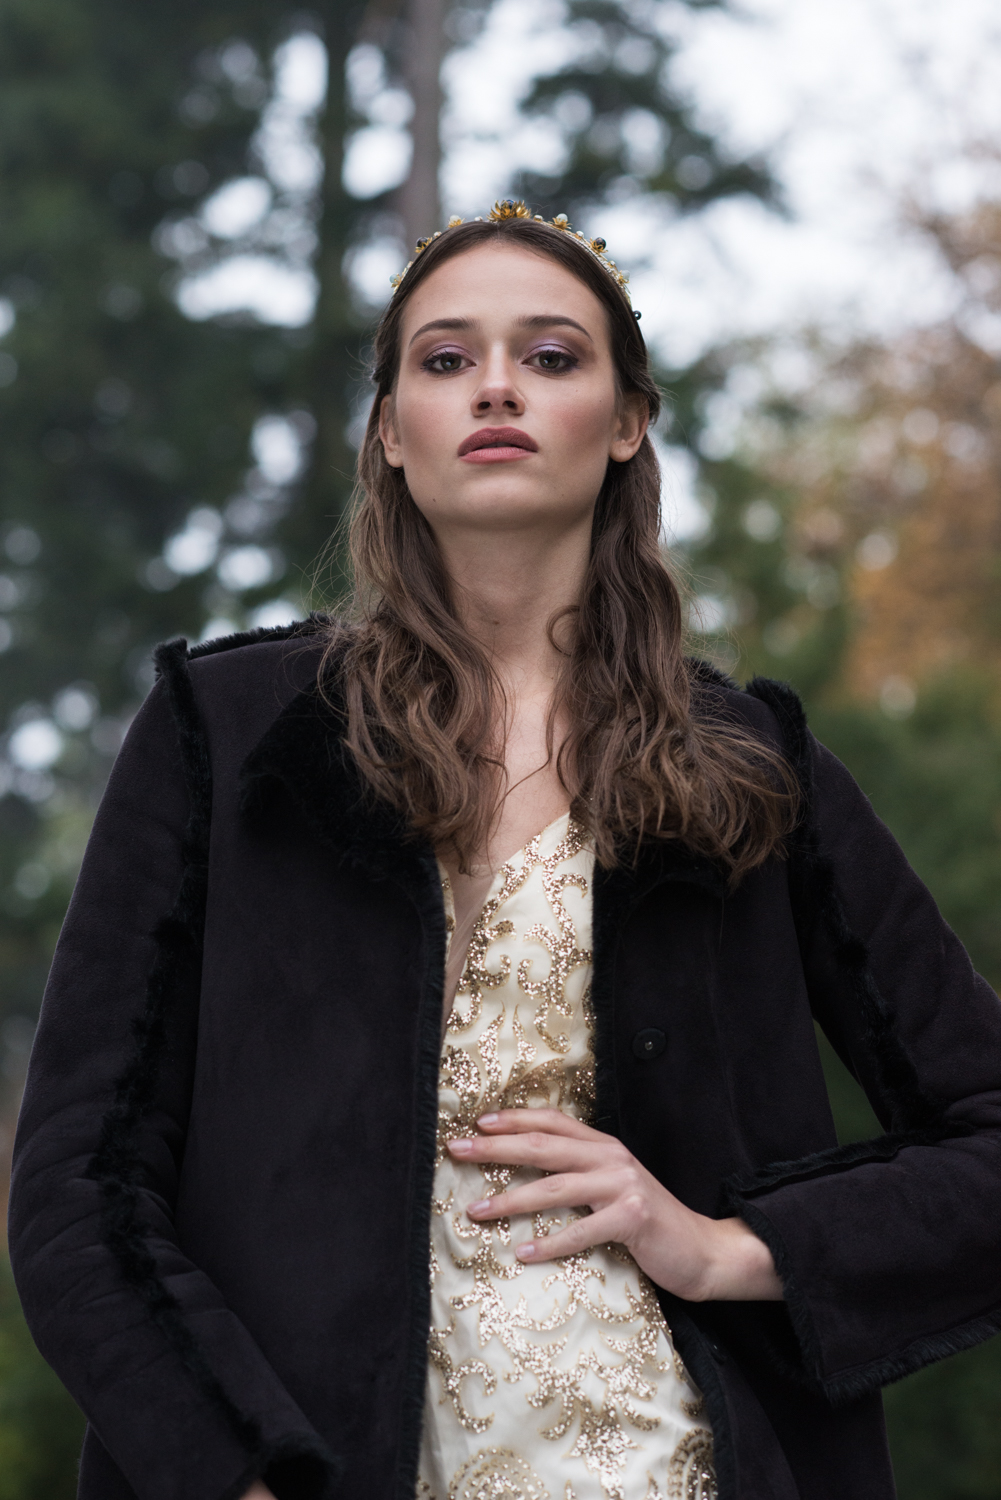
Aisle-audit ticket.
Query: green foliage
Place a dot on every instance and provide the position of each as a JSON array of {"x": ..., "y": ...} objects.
[
  {"x": 945, "y": 1432},
  {"x": 854, "y": 1119},
  {"x": 785, "y": 615},
  {"x": 935, "y": 778},
  {"x": 934, "y": 774},
  {"x": 40, "y": 1427},
  {"x": 629, "y": 129},
  {"x": 120, "y": 415},
  {"x": 119, "y": 411}
]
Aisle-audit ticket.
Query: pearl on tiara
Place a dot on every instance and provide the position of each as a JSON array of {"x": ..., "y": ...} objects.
[{"x": 515, "y": 208}]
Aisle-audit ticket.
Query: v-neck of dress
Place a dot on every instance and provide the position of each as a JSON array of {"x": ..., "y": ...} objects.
[{"x": 464, "y": 907}]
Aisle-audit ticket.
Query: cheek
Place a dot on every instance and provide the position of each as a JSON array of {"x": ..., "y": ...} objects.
[
  {"x": 424, "y": 427},
  {"x": 416, "y": 432},
  {"x": 583, "y": 423}
]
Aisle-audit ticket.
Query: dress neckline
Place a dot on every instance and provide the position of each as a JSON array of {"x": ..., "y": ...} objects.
[
  {"x": 480, "y": 872},
  {"x": 464, "y": 907}
]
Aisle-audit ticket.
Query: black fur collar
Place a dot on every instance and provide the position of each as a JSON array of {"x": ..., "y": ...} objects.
[{"x": 304, "y": 752}]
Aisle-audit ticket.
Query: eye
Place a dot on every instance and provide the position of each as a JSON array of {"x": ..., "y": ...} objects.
[
  {"x": 555, "y": 361},
  {"x": 444, "y": 362}
]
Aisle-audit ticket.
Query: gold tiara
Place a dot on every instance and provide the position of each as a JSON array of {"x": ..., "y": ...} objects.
[{"x": 510, "y": 208}]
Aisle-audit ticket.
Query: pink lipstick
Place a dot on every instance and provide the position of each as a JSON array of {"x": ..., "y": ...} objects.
[{"x": 497, "y": 445}]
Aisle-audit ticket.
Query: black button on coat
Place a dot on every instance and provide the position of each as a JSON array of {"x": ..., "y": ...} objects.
[
  {"x": 220, "y": 1206},
  {"x": 649, "y": 1043}
]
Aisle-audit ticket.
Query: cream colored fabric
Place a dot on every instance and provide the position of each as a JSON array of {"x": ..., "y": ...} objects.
[
  {"x": 555, "y": 1381},
  {"x": 464, "y": 897}
]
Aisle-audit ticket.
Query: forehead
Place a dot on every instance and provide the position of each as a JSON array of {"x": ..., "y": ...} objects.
[{"x": 503, "y": 282}]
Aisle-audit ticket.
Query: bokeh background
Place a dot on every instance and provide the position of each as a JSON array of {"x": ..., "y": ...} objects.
[{"x": 200, "y": 208}]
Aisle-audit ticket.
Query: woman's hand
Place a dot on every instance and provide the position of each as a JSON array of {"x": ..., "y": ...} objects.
[
  {"x": 694, "y": 1257},
  {"x": 259, "y": 1491}
]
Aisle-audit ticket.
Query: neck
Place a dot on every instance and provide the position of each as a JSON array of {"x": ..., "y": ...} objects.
[{"x": 508, "y": 587}]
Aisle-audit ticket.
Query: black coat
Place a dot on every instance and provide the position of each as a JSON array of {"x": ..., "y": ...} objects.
[{"x": 220, "y": 1205}]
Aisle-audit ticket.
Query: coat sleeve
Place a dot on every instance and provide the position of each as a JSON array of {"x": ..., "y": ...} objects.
[
  {"x": 176, "y": 1389},
  {"x": 889, "y": 1250}
]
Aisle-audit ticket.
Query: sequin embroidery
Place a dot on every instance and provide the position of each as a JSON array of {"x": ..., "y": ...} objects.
[{"x": 565, "y": 1368}]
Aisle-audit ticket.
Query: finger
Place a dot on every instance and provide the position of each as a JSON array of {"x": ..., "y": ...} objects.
[
  {"x": 547, "y": 1153},
  {"x": 562, "y": 1190},
  {"x": 553, "y": 1121},
  {"x": 592, "y": 1229}
]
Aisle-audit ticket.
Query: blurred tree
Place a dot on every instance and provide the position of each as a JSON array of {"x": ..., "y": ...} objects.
[
  {"x": 628, "y": 127},
  {"x": 855, "y": 547},
  {"x": 855, "y": 497},
  {"x": 138, "y": 148},
  {"x": 426, "y": 46}
]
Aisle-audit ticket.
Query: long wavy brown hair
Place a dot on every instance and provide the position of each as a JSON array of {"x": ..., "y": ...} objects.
[{"x": 649, "y": 750}]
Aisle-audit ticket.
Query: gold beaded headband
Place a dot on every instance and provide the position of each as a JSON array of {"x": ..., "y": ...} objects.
[{"x": 509, "y": 208}]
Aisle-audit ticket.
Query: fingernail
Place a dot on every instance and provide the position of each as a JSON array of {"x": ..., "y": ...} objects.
[
  {"x": 488, "y": 1119},
  {"x": 461, "y": 1148},
  {"x": 479, "y": 1208},
  {"x": 525, "y": 1252}
]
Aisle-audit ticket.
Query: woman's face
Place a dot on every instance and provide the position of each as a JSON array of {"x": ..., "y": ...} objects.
[{"x": 505, "y": 412}]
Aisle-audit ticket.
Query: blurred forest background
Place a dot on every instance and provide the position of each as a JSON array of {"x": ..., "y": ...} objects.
[{"x": 196, "y": 234}]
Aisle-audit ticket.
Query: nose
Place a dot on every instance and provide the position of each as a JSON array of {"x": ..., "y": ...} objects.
[{"x": 498, "y": 390}]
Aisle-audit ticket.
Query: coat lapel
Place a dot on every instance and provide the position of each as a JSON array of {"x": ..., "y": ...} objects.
[{"x": 304, "y": 752}]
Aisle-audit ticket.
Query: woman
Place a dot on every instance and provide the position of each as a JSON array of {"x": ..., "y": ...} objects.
[{"x": 489, "y": 925}]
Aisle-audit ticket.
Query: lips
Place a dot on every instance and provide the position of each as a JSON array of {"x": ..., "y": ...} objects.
[{"x": 497, "y": 437}]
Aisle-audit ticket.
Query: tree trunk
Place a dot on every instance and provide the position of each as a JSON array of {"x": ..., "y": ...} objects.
[
  {"x": 329, "y": 369},
  {"x": 420, "y": 203}
]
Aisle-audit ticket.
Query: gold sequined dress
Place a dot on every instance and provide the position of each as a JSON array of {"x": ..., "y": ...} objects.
[{"x": 554, "y": 1381}]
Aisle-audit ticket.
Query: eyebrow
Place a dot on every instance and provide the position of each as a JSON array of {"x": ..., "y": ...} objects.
[{"x": 538, "y": 320}]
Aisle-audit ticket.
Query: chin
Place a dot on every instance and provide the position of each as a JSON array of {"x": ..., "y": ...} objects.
[
  {"x": 506, "y": 497},
  {"x": 504, "y": 511}
]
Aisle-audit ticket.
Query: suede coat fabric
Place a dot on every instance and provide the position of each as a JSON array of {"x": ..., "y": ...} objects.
[{"x": 220, "y": 1205}]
